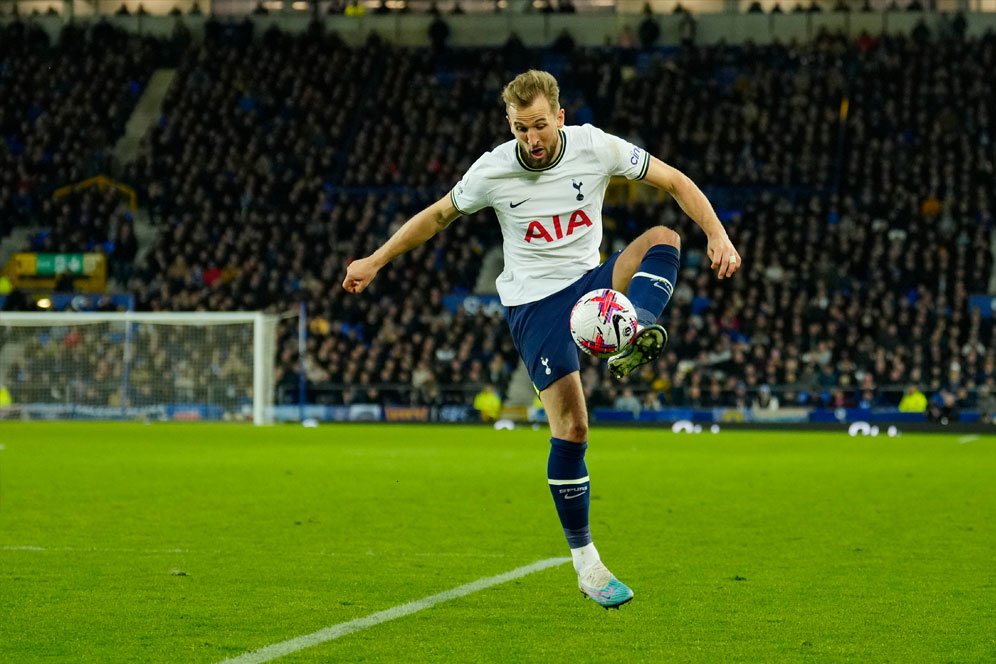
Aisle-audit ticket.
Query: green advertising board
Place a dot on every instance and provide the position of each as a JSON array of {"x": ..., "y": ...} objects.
[{"x": 55, "y": 264}]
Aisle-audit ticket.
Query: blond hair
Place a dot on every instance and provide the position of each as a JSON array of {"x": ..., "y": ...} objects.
[{"x": 526, "y": 87}]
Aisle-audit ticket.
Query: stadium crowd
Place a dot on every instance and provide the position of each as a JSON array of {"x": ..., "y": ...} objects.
[
  {"x": 167, "y": 366},
  {"x": 861, "y": 250},
  {"x": 62, "y": 108},
  {"x": 864, "y": 226}
]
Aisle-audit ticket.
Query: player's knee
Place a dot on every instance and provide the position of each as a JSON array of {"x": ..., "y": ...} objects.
[
  {"x": 664, "y": 235},
  {"x": 576, "y": 430}
]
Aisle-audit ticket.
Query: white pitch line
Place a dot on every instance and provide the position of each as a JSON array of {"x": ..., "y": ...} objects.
[
  {"x": 967, "y": 439},
  {"x": 327, "y": 554},
  {"x": 276, "y": 650},
  {"x": 76, "y": 549}
]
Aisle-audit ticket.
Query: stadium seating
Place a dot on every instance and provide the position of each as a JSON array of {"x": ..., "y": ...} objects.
[
  {"x": 864, "y": 225},
  {"x": 844, "y": 291},
  {"x": 62, "y": 107}
]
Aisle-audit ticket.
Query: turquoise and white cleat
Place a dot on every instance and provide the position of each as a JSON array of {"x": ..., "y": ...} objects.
[
  {"x": 598, "y": 584},
  {"x": 647, "y": 346}
]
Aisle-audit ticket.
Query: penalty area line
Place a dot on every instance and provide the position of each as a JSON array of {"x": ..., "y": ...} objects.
[{"x": 276, "y": 650}]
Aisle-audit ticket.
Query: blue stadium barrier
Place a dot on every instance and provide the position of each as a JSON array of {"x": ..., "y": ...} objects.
[{"x": 84, "y": 302}]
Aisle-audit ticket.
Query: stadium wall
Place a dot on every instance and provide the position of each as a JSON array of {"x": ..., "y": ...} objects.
[{"x": 541, "y": 30}]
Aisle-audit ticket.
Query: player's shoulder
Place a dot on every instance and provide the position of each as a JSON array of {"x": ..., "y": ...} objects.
[
  {"x": 495, "y": 162},
  {"x": 586, "y": 134}
]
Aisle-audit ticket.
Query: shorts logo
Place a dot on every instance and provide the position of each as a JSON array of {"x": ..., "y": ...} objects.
[
  {"x": 537, "y": 231},
  {"x": 545, "y": 361}
]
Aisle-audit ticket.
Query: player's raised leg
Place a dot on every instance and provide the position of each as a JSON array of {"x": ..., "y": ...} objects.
[
  {"x": 646, "y": 271},
  {"x": 567, "y": 474}
]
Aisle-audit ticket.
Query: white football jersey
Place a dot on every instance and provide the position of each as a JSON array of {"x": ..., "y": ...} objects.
[{"x": 551, "y": 218}]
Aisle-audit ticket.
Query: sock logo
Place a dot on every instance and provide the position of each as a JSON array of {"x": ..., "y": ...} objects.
[
  {"x": 578, "y": 185},
  {"x": 657, "y": 282},
  {"x": 578, "y": 493},
  {"x": 545, "y": 361}
]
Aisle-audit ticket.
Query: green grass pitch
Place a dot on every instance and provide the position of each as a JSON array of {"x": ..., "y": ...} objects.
[{"x": 196, "y": 543}]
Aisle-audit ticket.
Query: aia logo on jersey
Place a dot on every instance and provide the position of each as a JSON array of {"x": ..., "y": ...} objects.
[{"x": 537, "y": 231}]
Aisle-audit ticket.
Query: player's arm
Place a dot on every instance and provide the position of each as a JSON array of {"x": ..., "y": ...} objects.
[
  {"x": 724, "y": 256},
  {"x": 415, "y": 232}
]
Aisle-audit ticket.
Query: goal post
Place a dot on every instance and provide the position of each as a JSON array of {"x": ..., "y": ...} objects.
[{"x": 160, "y": 365}]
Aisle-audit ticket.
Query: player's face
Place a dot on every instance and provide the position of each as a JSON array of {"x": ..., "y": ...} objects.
[{"x": 535, "y": 127}]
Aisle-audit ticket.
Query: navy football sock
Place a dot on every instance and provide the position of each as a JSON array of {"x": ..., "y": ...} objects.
[
  {"x": 652, "y": 285},
  {"x": 568, "y": 477}
]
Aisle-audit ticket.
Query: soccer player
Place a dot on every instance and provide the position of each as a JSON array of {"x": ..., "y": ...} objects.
[{"x": 546, "y": 187}]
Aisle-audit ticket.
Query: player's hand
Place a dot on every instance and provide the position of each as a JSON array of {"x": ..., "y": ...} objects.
[
  {"x": 359, "y": 274},
  {"x": 724, "y": 256}
]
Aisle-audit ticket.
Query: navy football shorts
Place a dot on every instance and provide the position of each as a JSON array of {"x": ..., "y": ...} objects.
[{"x": 541, "y": 330}]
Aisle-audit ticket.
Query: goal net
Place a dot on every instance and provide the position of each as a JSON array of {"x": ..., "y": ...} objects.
[{"x": 162, "y": 366}]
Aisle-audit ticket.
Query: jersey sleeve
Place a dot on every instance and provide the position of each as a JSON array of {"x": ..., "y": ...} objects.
[
  {"x": 618, "y": 156},
  {"x": 472, "y": 192}
]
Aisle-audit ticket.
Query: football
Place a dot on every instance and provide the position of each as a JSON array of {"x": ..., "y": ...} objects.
[{"x": 603, "y": 322}]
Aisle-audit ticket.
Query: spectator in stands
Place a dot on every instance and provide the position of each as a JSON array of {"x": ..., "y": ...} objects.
[
  {"x": 987, "y": 405},
  {"x": 488, "y": 404},
  {"x": 564, "y": 43},
  {"x": 687, "y": 28},
  {"x": 944, "y": 408},
  {"x": 959, "y": 26},
  {"x": 627, "y": 401},
  {"x": 649, "y": 30},
  {"x": 765, "y": 400},
  {"x": 913, "y": 401},
  {"x": 439, "y": 32},
  {"x": 65, "y": 282},
  {"x": 626, "y": 39}
]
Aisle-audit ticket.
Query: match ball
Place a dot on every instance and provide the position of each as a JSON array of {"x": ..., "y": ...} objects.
[{"x": 603, "y": 322}]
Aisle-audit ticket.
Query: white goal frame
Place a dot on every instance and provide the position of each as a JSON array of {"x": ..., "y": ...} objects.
[{"x": 264, "y": 339}]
